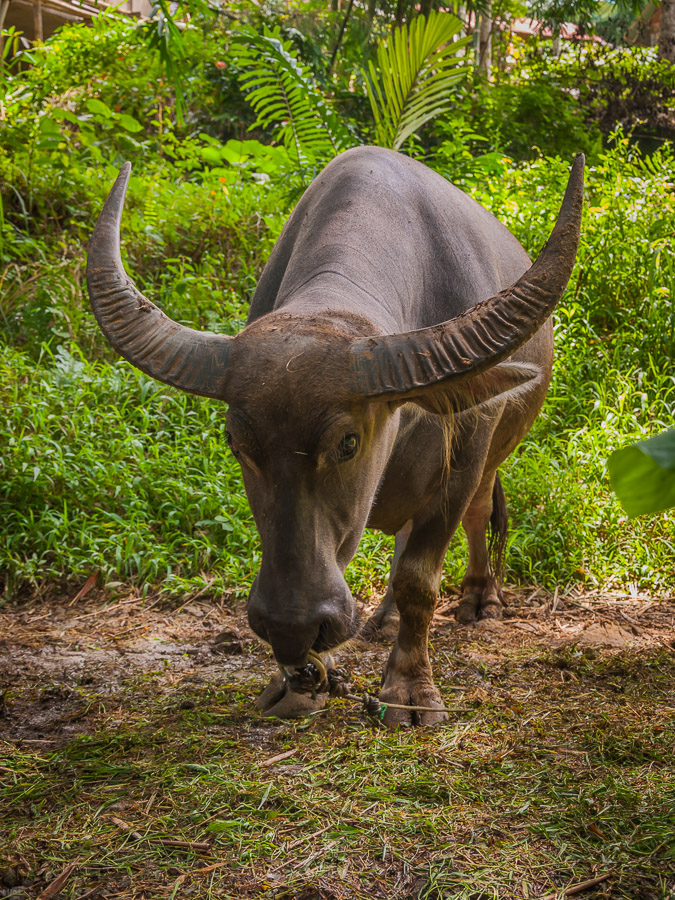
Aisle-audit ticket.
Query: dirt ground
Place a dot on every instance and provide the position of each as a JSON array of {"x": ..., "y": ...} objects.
[
  {"x": 50, "y": 651},
  {"x": 72, "y": 670}
]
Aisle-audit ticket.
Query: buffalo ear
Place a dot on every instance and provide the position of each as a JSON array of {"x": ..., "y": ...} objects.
[{"x": 452, "y": 397}]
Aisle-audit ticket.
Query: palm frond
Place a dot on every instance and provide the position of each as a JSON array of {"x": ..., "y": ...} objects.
[{"x": 415, "y": 70}]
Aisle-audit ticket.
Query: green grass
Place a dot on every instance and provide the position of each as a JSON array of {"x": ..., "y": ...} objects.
[{"x": 537, "y": 783}]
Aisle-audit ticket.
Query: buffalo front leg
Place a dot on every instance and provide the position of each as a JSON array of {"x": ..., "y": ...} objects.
[
  {"x": 481, "y": 590},
  {"x": 408, "y": 678}
]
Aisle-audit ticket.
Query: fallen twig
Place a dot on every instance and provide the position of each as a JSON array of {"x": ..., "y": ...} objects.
[
  {"x": 211, "y": 817},
  {"x": 58, "y": 883},
  {"x": 275, "y": 759},
  {"x": 554, "y": 605},
  {"x": 90, "y": 892},
  {"x": 136, "y": 835},
  {"x": 201, "y": 846},
  {"x": 307, "y": 837},
  {"x": 205, "y": 869},
  {"x": 578, "y": 888}
]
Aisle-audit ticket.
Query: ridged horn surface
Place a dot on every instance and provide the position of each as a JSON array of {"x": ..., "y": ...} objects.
[
  {"x": 193, "y": 361},
  {"x": 394, "y": 365}
]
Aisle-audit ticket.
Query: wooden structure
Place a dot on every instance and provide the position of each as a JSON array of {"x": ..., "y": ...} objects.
[{"x": 38, "y": 19}]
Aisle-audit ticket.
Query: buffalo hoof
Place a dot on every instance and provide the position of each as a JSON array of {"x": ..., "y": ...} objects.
[
  {"x": 473, "y": 607},
  {"x": 412, "y": 693},
  {"x": 278, "y": 701},
  {"x": 383, "y": 624}
]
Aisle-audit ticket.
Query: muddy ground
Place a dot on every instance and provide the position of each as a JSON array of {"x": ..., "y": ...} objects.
[{"x": 73, "y": 672}]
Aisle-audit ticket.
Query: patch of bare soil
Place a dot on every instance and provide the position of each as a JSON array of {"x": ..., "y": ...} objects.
[{"x": 63, "y": 666}]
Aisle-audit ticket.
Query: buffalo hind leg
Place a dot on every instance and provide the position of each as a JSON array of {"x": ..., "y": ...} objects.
[
  {"x": 481, "y": 589},
  {"x": 408, "y": 678},
  {"x": 383, "y": 624}
]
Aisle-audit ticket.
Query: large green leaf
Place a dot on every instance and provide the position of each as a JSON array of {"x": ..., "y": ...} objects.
[
  {"x": 415, "y": 71},
  {"x": 643, "y": 475}
]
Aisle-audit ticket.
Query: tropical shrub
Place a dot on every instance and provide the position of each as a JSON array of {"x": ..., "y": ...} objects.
[
  {"x": 558, "y": 106},
  {"x": 103, "y": 469}
]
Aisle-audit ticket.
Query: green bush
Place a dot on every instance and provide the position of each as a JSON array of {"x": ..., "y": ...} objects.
[
  {"x": 104, "y": 469},
  {"x": 558, "y": 106}
]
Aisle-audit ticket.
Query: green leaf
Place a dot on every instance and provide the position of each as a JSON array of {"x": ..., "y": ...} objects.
[
  {"x": 49, "y": 127},
  {"x": 128, "y": 122},
  {"x": 65, "y": 115},
  {"x": 415, "y": 71},
  {"x": 211, "y": 155},
  {"x": 98, "y": 108},
  {"x": 643, "y": 475},
  {"x": 224, "y": 825},
  {"x": 286, "y": 98}
]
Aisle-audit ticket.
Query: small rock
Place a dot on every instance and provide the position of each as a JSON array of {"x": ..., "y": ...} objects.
[
  {"x": 194, "y": 611},
  {"x": 10, "y": 877},
  {"x": 224, "y": 637},
  {"x": 228, "y": 641},
  {"x": 490, "y": 624},
  {"x": 602, "y": 634}
]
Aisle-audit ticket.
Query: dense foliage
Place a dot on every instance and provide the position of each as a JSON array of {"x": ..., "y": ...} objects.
[{"x": 106, "y": 470}]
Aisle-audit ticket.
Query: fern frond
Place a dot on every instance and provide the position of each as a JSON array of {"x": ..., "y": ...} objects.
[
  {"x": 415, "y": 69},
  {"x": 287, "y": 100}
]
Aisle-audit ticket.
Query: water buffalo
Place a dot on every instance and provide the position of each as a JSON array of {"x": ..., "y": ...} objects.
[{"x": 398, "y": 348}]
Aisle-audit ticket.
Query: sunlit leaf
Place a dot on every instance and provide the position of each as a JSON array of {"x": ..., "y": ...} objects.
[
  {"x": 98, "y": 107},
  {"x": 287, "y": 100},
  {"x": 128, "y": 122},
  {"x": 411, "y": 83},
  {"x": 643, "y": 475}
]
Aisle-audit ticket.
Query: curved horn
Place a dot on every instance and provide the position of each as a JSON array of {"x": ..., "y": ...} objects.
[
  {"x": 488, "y": 333},
  {"x": 193, "y": 361}
]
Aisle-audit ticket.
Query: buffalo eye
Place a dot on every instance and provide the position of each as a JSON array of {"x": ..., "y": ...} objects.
[
  {"x": 347, "y": 447},
  {"x": 232, "y": 445}
]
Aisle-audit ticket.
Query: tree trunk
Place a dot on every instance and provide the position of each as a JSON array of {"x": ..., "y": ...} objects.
[
  {"x": 667, "y": 31},
  {"x": 557, "y": 43},
  {"x": 485, "y": 40},
  {"x": 338, "y": 42},
  {"x": 4, "y": 6},
  {"x": 461, "y": 14},
  {"x": 37, "y": 19}
]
